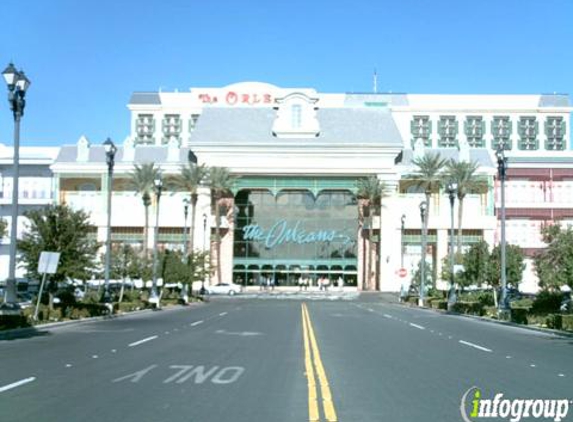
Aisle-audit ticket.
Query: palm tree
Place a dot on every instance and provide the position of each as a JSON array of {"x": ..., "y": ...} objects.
[
  {"x": 189, "y": 179},
  {"x": 221, "y": 183},
  {"x": 142, "y": 181},
  {"x": 371, "y": 190},
  {"x": 463, "y": 174},
  {"x": 428, "y": 175}
]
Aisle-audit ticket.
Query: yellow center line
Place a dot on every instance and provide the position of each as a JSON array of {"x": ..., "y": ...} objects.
[{"x": 311, "y": 345}]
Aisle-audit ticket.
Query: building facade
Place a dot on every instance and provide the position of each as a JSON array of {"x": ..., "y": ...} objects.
[{"x": 297, "y": 156}]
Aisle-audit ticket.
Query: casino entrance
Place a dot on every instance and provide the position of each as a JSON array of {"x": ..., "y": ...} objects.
[{"x": 295, "y": 235}]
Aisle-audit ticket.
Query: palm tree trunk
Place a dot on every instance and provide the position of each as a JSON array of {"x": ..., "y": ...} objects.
[
  {"x": 146, "y": 233},
  {"x": 218, "y": 239},
  {"x": 192, "y": 225},
  {"x": 460, "y": 214}
]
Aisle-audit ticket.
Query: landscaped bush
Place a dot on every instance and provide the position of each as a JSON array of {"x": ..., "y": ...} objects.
[
  {"x": 128, "y": 306},
  {"x": 547, "y": 303},
  {"x": 470, "y": 308},
  {"x": 519, "y": 315},
  {"x": 439, "y": 304},
  {"x": 483, "y": 297},
  {"x": 554, "y": 321},
  {"x": 78, "y": 313},
  {"x": 567, "y": 322}
]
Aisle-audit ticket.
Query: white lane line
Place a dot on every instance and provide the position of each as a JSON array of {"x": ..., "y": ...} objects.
[
  {"x": 388, "y": 316},
  {"x": 370, "y": 310},
  {"x": 223, "y": 314},
  {"x": 419, "y": 327},
  {"x": 137, "y": 343},
  {"x": 532, "y": 365},
  {"x": 68, "y": 365},
  {"x": 196, "y": 323},
  {"x": 16, "y": 384},
  {"x": 467, "y": 343},
  {"x": 95, "y": 356},
  {"x": 561, "y": 375},
  {"x": 508, "y": 357}
]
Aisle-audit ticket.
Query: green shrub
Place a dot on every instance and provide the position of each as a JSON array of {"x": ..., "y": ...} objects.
[
  {"x": 439, "y": 304},
  {"x": 128, "y": 306},
  {"x": 547, "y": 302},
  {"x": 483, "y": 297},
  {"x": 490, "y": 311},
  {"x": 567, "y": 322},
  {"x": 92, "y": 296},
  {"x": 131, "y": 295},
  {"x": 554, "y": 321},
  {"x": 470, "y": 308},
  {"x": 519, "y": 315},
  {"x": 78, "y": 313}
]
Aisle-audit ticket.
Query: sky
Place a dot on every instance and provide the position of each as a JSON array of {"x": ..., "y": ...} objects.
[{"x": 85, "y": 58}]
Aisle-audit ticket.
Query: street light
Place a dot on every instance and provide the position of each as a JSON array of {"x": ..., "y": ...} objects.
[
  {"x": 186, "y": 202},
  {"x": 502, "y": 169},
  {"x": 452, "y": 190},
  {"x": 17, "y": 84},
  {"x": 205, "y": 252},
  {"x": 423, "y": 211},
  {"x": 110, "y": 150},
  {"x": 158, "y": 185}
]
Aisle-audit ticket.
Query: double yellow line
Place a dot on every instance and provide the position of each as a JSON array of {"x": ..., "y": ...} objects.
[{"x": 314, "y": 369}]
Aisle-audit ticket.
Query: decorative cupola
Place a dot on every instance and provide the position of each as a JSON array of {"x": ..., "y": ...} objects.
[
  {"x": 296, "y": 117},
  {"x": 83, "y": 150}
]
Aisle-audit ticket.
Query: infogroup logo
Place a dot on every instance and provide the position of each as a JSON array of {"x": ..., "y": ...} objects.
[{"x": 474, "y": 407}]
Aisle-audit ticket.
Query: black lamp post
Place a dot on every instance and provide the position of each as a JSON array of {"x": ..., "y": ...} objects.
[
  {"x": 423, "y": 211},
  {"x": 502, "y": 170},
  {"x": 452, "y": 190},
  {"x": 158, "y": 187},
  {"x": 110, "y": 150},
  {"x": 17, "y": 84}
]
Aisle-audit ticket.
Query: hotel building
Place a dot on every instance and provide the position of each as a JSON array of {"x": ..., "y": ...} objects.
[{"x": 298, "y": 154}]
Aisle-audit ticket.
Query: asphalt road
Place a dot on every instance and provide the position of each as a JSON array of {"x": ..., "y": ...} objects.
[{"x": 277, "y": 360}]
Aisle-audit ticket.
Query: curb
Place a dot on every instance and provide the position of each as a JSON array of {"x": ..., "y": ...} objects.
[
  {"x": 15, "y": 332},
  {"x": 496, "y": 321}
]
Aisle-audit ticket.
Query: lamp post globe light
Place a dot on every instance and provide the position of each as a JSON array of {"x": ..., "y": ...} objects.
[
  {"x": 502, "y": 169},
  {"x": 452, "y": 189},
  {"x": 158, "y": 187},
  {"x": 110, "y": 150},
  {"x": 17, "y": 84},
  {"x": 423, "y": 210}
]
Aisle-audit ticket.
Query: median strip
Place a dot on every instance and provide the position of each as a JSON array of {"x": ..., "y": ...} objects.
[
  {"x": 16, "y": 384},
  {"x": 137, "y": 343},
  {"x": 315, "y": 369},
  {"x": 475, "y": 346}
]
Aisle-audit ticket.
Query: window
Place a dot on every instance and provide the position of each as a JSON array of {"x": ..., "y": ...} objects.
[
  {"x": 296, "y": 116},
  {"x": 501, "y": 132},
  {"x": 171, "y": 127},
  {"x": 193, "y": 122},
  {"x": 555, "y": 132},
  {"x": 474, "y": 128},
  {"x": 145, "y": 129},
  {"x": 528, "y": 130},
  {"x": 447, "y": 130},
  {"x": 421, "y": 128}
]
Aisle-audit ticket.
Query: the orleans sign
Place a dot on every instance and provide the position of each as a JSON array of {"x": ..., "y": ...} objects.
[{"x": 282, "y": 232}]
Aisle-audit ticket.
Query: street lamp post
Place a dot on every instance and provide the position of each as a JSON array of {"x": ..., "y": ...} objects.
[
  {"x": 158, "y": 185},
  {"x": 423, "y": 210},
  {"x": 452, "y": 189},
  {"x": 502, "y": 169},
  {"x": 204, "y": 251},
  {"x": 17, "y": 84},
  {"x": 186, "y": 202},
  {"x": 110, "y": 150}
]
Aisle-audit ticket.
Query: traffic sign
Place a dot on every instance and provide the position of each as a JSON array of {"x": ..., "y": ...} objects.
[{"x": 402, "y": 272}]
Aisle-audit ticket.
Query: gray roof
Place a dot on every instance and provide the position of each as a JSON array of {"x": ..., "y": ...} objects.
[
  {"x": 143, "y": 154},
  {"x": 554, "y": 100},
  {"x": 481, "y": 155},
  {"x": 145, "y": 98},
  {"x": 338, "y": 126}
]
